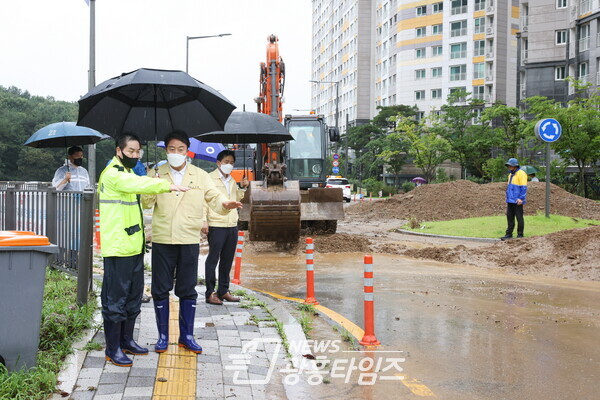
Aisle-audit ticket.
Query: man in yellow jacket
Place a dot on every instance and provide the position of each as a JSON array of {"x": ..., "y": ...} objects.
[
  {"x": 222, "y": 231},
  {"x": 176, "y": 224},
  {"x": 123, "y": 247}
]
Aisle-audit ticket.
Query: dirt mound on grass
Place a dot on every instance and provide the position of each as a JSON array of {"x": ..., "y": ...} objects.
[
  {"x": 466, "y": 199},
  {"x": 572, "y": 254}
]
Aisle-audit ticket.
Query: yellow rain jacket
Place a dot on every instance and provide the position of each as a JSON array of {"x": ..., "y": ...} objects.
[
  {"x": 121, "y": 223},
  {"x": 224, "y": 221},
  {"x": 178, "y": 218}
]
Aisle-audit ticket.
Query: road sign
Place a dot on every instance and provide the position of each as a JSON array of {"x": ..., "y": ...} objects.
[
  {"x": 548, "y": 130},
  {"x": 335, "y": 170},
  {"x": 336, "y": 163},
  {"x": 336, "y": 156}
]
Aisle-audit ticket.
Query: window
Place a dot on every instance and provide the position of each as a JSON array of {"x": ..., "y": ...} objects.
[
  {"x": 561, "y": 37},
  {"x": 559, "y": 73},
  {"x": 458, "y": 50},
  {"x": 437, "y": 29},
  {"x": 480, "y": 25},
  {"x": 436, "y": 51},
  {"x": 420, "y": 74},
  {"x": 583, "y": 70},
  {"x": 583, "y": 35},
  {"x": 420, "y": 115},
  {"x": 458, "y": 73},
  {"x": 420, "y": 53},
  {"x": 458, "y": 28},
  {"x": 479, "y": 48},
  {"x": 438, "y": 7},
  {"x": 562, "y": 3},
  {"x": 478, "y": 70},
  {"x": 419, "y": 95},
  {"x": 436, "y": 93},
  {"x": 479, "y": 5},
  {"x": 420, "y": 32},
  {"x": 479, "y": 92},
  {"x": 421, "y": 10},
  {"x": 436, "y": 72},
  {"x": 477, "y": 113},
  {"x": 459, "y": 7}
]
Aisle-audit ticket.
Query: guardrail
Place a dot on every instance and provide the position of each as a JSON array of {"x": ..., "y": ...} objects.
[{"x": 65, "y": 217}]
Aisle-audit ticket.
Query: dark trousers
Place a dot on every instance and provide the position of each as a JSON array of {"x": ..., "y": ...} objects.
[
  {"x": 174, "y": 263},
  {"x": 221, "y": 249},
  {"x": 513, "y": 211},
  {"x": 122, "y": 287}
]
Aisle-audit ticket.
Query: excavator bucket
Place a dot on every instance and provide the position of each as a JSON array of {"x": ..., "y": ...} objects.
[{"x": 274, "y": 212}]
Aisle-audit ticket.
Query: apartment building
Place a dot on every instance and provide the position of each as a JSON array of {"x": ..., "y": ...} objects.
[
  {"x": 388, "y": 52},
  {"x": 558, "y": 38}
]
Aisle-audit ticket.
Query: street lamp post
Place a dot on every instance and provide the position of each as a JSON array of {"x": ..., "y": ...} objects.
[{"x": 187, "y": 45}]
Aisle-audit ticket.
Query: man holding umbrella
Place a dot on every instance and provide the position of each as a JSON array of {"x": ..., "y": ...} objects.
[
  {"x": 123, "y": 246},
  {"x": 176, "y": 225},
  {"x": 72, "y": 175}
]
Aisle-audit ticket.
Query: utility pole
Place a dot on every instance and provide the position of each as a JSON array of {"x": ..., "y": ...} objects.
[{"x": 91, "y": 84}]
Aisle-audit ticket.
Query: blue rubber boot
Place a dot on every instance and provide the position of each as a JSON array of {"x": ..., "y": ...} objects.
[
  {"x": 128, "y": 345},
  {"x": 161, "y": 310},
  {"x": 187, "y": 312},
  {"x": 113, "y": 352}
]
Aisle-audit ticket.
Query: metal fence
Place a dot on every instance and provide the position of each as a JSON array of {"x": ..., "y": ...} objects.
[{"x": 65, "y": 217}]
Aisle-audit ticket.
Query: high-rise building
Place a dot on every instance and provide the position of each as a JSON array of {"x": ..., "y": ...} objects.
[
  {"x": 389, "y": 52},
  {"x": 558, "y": 39}
]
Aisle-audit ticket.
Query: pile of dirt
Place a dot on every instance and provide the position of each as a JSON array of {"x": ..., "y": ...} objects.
[
  {"x": 572, "y": 254},
  {"x": 342, "y": 243},
  {"x": 466, "y": 199}
]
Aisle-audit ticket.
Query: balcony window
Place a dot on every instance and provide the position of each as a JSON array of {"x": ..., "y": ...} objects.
[
  {"x": 436, "y": 72},
  {"x": 458, "y": 73},
  {"x": 421, "y": 10},
  {"x": 437, "y": 29},
  {"x": 459, "y": 7},
  {"x": 479, "y": 5},
  {"x": 478, "y": 70},
  {"x": 420, "y": 32},
  {"x": 420, "y": 53},
  {"x": 479, "y": 92},
  {"x": 419, "y": 95},
  {"x": 436, "y": 51},
  {"x": 458, "y": 28},
  {"x": 559, "y": 73},
  {"x": 479, "y": 48},
  {"x": 438, "y": 7},
  {"x": 419, "y": 74},
  {"x": 458, "y": 50},
  {"x": 436, "y": 94},
  {"x": 480, "y": 25},
  {"x": 562, "y": 3}
]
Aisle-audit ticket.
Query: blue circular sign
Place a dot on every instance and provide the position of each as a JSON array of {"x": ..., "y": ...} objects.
[
  {"x": 336, "y": 156},
  {"x": 548, "y": 130},
  {"x": 335, "y": 170}
]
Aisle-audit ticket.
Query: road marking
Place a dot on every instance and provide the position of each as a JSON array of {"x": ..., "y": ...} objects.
[
  {"x": 414, "y": 385},
  {"x": 176, "y": 366}
]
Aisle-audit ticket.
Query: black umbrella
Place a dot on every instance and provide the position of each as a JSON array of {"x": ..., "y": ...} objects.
[
  {"x": 152, "y": 103},
  {"x": 249, "y": 127}
]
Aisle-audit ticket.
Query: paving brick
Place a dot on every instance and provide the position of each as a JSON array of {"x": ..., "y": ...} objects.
[
  {"x": 87, "y": 395},
  {"x": 94, "y": 362},
  {"x": 139, "y": 371},
  {"x": 139, "y": 381},
  {"x": 206, "y": 388},
  {"x": 112, "y": 388},
  {"x": 113, "y": 377},
  {"x": 138, "y": 391},
  {"x": 240, "y": 392}
]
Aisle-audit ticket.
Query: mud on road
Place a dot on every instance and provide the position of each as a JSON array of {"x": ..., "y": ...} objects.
[{"x": 370, "y": 227}]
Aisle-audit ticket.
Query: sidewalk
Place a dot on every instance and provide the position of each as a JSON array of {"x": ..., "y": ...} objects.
[{"x": 225, "y": 333}]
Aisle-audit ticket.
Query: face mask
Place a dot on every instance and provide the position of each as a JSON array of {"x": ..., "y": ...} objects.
[
  {"x": 128, "y": 162},
  {"x": 226, "y": 168},
  {"x": 78, "y": 162},
  {"x": 176, "y": 160}
]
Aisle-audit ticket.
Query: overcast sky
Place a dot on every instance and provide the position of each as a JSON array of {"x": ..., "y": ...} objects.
[{"x": 44, "y": 44}]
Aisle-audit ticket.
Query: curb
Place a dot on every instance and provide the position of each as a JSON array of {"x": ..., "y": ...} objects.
[
  {"x": 292, "y": 328},
  {"x": 485, "y": 240}
]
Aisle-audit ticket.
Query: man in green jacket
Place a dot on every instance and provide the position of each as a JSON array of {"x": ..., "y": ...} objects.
[{"x": 123, "y": 246}]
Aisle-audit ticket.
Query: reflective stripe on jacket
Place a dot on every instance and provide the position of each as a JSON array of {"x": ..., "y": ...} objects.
[
  {"x": 177, "y": 218},
  {"x": 224, "y": 221},
  {"x": 517, "y": 186},
  {"x": 121, "y": 223}
]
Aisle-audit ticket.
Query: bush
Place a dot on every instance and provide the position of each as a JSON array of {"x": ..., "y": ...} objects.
[
  {"x": 441, "y": 176},
  {"x": 373, "y": 186},
  {"x": 494, "y": 169},
  {"x": 389, "y": 190},
  {"x": 408, "y": 186}
]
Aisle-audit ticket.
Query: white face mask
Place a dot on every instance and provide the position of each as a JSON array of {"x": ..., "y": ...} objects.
[
  {"x": 226, "y": 168},
  {"x": 176, "y": 160}
]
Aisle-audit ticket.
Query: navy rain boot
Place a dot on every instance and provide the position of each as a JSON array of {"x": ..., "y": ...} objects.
[
  {"x": 187, "y": 312},
  {"x": 113, "y": 352},
  {"x": 128, "y": 345},
  {"x": 161, "y": 310}
]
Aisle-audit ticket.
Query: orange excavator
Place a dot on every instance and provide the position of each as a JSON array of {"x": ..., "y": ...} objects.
[{"x": 289, "y": 192}]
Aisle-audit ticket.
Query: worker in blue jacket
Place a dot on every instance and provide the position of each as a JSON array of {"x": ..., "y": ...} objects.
[{"x": 516, "y": 194}]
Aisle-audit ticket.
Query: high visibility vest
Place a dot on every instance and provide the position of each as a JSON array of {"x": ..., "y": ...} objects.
[{"x": 122, "y": 227}]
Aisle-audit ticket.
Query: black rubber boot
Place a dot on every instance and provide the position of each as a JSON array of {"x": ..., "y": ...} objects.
[{"x": 113, "y": 352}]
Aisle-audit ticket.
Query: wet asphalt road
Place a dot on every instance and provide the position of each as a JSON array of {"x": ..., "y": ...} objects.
[{"x": 467, "y": 333}]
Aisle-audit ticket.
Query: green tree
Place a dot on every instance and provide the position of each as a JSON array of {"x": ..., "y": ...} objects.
[
  {"x": 579, "y": 143},
  {"x": 510, "y": 132},
  {"x": 425, "y": 146}
]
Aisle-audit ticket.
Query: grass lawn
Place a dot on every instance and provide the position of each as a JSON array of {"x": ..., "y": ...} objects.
[
  {"x": 495, "y": 227},
  {"x": 63, "y": 322}
]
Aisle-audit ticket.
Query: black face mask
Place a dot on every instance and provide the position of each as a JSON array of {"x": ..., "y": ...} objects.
[
  {"x": 78, "y": 162},
  {"x": 128, "y": 162}
]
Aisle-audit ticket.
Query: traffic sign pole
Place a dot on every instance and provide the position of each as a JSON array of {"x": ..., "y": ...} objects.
[{"x": 549, "y": 131}]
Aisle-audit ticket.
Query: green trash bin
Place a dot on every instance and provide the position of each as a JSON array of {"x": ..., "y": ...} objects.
[{"x": 23, "y": 261}]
